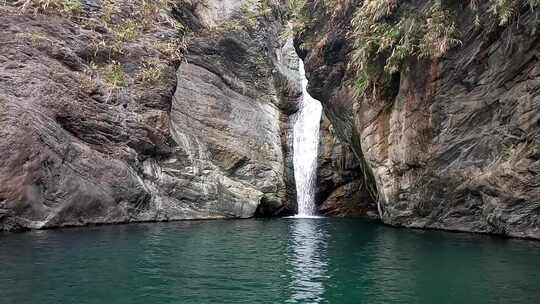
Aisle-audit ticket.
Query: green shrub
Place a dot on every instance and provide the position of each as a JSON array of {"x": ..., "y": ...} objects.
[
  {"x": 440, "y": 34},
  {"x": 108, "y": 11},
  {"x": 391, "y": 32},
  {"x": 505, "y": 10},
  {"x": 382, "y": 30}
]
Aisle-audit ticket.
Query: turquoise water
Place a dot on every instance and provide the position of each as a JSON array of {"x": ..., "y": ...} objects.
[{"x": 265, "y": 261}]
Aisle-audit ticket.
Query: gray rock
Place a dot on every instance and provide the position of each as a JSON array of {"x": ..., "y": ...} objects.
[
  {"x": 340, "y": 183},
  {"x": 455, "y": 143},
  {"x": 209, "y": 140}
]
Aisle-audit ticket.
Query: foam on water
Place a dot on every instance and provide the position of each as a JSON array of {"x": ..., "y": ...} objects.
[{"x": 298, "y": 216}]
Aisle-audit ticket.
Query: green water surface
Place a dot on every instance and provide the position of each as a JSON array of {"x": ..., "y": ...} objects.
[{"x": 265, "y": 261}]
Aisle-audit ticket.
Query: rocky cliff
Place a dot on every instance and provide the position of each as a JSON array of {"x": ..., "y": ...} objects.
[
  {"x": 118, "y": 111},
  {"x": 340, "y": 190},
  {"x": 439, "y": 101},
  {"x": 125, "y": 111}
]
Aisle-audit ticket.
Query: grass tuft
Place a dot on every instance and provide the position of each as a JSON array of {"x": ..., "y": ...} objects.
[
  {"x": 63, "y": 7},
  {"x": 151, "y": 72},
  {"x": 113, "y": 74},
  {"x": 384, "y": 32}
]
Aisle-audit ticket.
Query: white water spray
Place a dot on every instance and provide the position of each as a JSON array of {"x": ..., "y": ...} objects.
[{"x": 306, "y": 146}]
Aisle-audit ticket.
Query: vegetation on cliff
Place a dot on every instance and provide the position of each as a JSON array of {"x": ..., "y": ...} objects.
[
  {"x": 391, "y": 32},
  {"x": 446, "y": 105},
  {"x": 384, "y": 32},
  {"x": 117, "y": 24},
  {"x": 387, "y": 34}
]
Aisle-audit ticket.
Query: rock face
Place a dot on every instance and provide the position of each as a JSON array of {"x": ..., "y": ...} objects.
[
  {"x": 227, "y": 114},
  {"x": 455, "y": 142},
  {"x": 340, "y": 183},
  {"x": 88, "y": 136}
]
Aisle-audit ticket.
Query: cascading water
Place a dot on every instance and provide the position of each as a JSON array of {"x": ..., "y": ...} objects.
[{"x": 306, "y": 146}]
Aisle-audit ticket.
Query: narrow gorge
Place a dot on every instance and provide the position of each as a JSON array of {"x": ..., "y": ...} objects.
[
  {"x": 189, "y": 119},
  {"x": 189, "y": 110},
  {"x": 269, "y": 151}
]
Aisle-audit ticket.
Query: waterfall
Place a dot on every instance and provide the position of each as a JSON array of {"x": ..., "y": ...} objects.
[{"x": 306, "y": 146}]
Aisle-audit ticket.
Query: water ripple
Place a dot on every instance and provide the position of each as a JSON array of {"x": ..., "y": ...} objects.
[{"x": 265, "y": 261}]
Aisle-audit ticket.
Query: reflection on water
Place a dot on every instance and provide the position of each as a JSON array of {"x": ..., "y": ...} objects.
[
  {"x": 299, "y": 261},
  {"x": 307, "y": 256}
]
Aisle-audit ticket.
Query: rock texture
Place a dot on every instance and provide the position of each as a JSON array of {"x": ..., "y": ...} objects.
[
  {"x": 455, "y": 143},
  {"x": 340, "y": 188},
  {"x": 208, "y": 140},
  {"x": 227, "y": 113}
]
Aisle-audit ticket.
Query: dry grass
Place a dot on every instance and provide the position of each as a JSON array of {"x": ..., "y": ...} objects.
[
  {"x": 173, "y": 50},
  {"x": 113, "y": 74},
  {"x": 151, "y": 72},
  {"x": 126, "y": 31},
  {"x": 64, "y": 7}
]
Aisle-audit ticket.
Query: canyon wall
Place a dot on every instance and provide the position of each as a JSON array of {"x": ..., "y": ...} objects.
[
  {"x": 115, "y": 112},
  {"x": 123, "y": 111},
  {"x": 451, "y": 142},
  {"x": 340, "y": 189}
]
